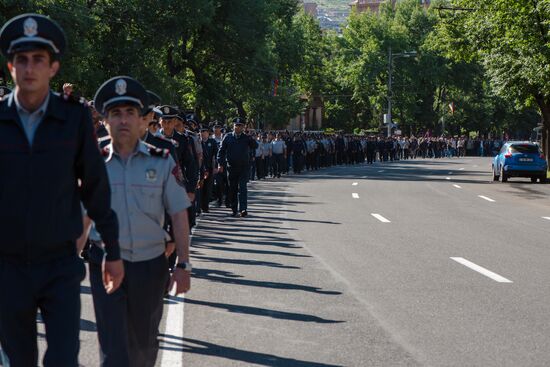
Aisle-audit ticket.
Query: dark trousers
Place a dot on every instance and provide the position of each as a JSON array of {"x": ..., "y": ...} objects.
[
  {"x": 221, "y": 186},
  {"x": 206, "y": 195},
  {"x": 128, "y": 320},
  {"x": 278, "y": 165},
  {"x": 54, "y": 288},
  {"x": 238, "y": 192}
]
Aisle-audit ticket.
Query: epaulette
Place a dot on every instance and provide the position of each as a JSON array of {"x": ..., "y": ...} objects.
[
  {"x": 171, "y": 141},
  {"x": 72, "y": 99},
  {"x": 103, "y": 138},
  {"x": 157, "y": 152}
]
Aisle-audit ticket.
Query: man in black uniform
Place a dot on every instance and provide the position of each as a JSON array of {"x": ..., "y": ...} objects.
[
  {"x": 209, "y": 151},
  {"x": 187, "y": 161},
  {"x": 234, "y": 154},
  {"x": 44, "y": 136}
]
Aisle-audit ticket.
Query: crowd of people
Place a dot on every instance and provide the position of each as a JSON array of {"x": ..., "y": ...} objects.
[{"x": 119, "y": 180}]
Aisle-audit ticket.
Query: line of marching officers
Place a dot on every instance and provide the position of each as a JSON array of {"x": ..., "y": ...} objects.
[{"x": 129, "y": 203}]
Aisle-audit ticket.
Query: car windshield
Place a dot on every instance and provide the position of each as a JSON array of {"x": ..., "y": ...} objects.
[{"x": 524, "y": 148}]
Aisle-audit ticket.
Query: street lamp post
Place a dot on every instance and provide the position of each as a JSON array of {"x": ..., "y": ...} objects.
[{"x": 391, "y": 57}]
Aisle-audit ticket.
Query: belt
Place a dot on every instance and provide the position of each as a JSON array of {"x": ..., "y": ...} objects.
[{"x": 38, "y": 257}]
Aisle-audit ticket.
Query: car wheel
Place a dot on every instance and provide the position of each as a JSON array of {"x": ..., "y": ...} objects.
[
  {"x": 543, "y": 179},
  {"x": 503, "y": 176},
  {"x": 534, "y": 179},
  {"x": 495, "y": 176}
]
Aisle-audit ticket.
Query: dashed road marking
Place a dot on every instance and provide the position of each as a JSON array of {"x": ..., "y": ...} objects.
[
  {"x": 486, "y": 198},
  {"x": 481, "y": 270},
  {"x": 461, "y": 169},
  {"x": 547, "y": 218},
  {"x": 447, "y": 178},
  {"x": 355, "y": 184},
  {"x": 355, "y": 195},
  {"x": 457, "y": 186},
  {"x": 380, "y": 218}
]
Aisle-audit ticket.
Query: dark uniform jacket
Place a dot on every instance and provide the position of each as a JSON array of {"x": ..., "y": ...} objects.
[
  {"x": 187, "y": 161},
  {"x": 235, "y": 151},
  {"x": 209, "y": 151},
  {"x": 40, "y": 211}
]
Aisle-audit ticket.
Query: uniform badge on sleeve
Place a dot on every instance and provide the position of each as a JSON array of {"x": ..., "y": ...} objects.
[
  {"x": 151, "y": 175},
  {"x": 178, "y": 174}
]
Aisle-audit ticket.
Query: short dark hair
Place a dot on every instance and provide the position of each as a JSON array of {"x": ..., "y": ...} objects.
[{"x": 53, "y": 57}]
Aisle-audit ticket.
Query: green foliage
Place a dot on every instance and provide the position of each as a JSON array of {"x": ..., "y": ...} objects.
[{"x": 221, "y": 58}]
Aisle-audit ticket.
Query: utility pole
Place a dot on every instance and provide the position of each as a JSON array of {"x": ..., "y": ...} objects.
[
  {"x": 391, "y": 57},
  {"x": 389, "y": 117}
]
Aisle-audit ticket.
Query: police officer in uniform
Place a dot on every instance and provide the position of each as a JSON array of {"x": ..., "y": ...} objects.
[
  {"x": 210, "y": 151},
  {"x": 188, "y": 163},
  {"x": 145, "y": 184},
  {"x": 234, "y": 154},
  {"x": 43, "y": 136}
]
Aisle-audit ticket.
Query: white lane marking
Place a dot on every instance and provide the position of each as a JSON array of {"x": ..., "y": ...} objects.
[
  {"x": 174, "y": 325},
  {"x": 381, "y": 171},
  {"x": 174, "y": 328},
  {"x": 486, "y": 198},
  {"x": 461, "y": 169},
  {"x": 355, "y": 195},
  {"x": 355, "y": 184},
  {"x": 447, "y": 178},
  {"x": 457, "y": 186},
  {"x": 380, "y": 218},
  {"x": 547, "y": 218},
  {"x": 481, "y": 270}
]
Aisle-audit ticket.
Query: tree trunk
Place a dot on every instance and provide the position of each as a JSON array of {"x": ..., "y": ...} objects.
[{"x": 544, "y": 106}]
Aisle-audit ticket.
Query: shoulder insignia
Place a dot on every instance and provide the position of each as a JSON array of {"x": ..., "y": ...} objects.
[
  {"x": 178, "y": 174},
  {"x": 105, "y": 152},
  {"x": 157, "y": 152},
  {"x": 171, "y": 141}
]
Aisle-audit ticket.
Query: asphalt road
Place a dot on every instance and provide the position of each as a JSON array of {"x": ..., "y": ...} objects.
[{"x": 413, "y": 263}]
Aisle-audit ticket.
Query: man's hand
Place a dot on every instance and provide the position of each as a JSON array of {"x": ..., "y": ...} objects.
[
  {"x": 220, "y": 169},
  {"x": 113, "y": 273},
  {"x": 191, "y": 196},
  {"x": 182, "y": 280},
  {"x": 170, "y": 248}
]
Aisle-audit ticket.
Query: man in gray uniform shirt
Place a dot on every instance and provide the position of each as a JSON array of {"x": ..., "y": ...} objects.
[{"x": 145, "y": 183}]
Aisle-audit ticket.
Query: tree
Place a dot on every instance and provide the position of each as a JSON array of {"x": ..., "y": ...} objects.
[{"x": 510, "y": 38}]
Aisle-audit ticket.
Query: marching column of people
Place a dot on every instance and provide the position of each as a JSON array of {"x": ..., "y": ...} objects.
[{"x": 127, "y": 179}]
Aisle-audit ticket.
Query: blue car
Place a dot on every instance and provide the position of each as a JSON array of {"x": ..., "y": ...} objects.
[{"x": 520, "y": 159}]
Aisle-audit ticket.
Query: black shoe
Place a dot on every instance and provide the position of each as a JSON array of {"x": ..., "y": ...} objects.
[
  {"x": 244, "y": 213},
  {"x": 234, "y": 214}
]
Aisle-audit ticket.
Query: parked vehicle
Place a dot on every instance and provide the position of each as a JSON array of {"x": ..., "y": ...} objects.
[{"x": 520, "y": 159}]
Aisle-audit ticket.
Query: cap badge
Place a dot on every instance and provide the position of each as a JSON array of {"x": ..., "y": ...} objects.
[
  {"x": 151, "y": 175},
  {"x": 30, "y": 27},
  {"x": 121, "y": 87},
  {"x": 166, "y": 110}
]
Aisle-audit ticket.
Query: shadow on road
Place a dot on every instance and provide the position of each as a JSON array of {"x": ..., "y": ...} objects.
[
  {"x": 257, "y": 311},
  {"x": 230, "y": 278},
  {"x": 187, "y": 345}
]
